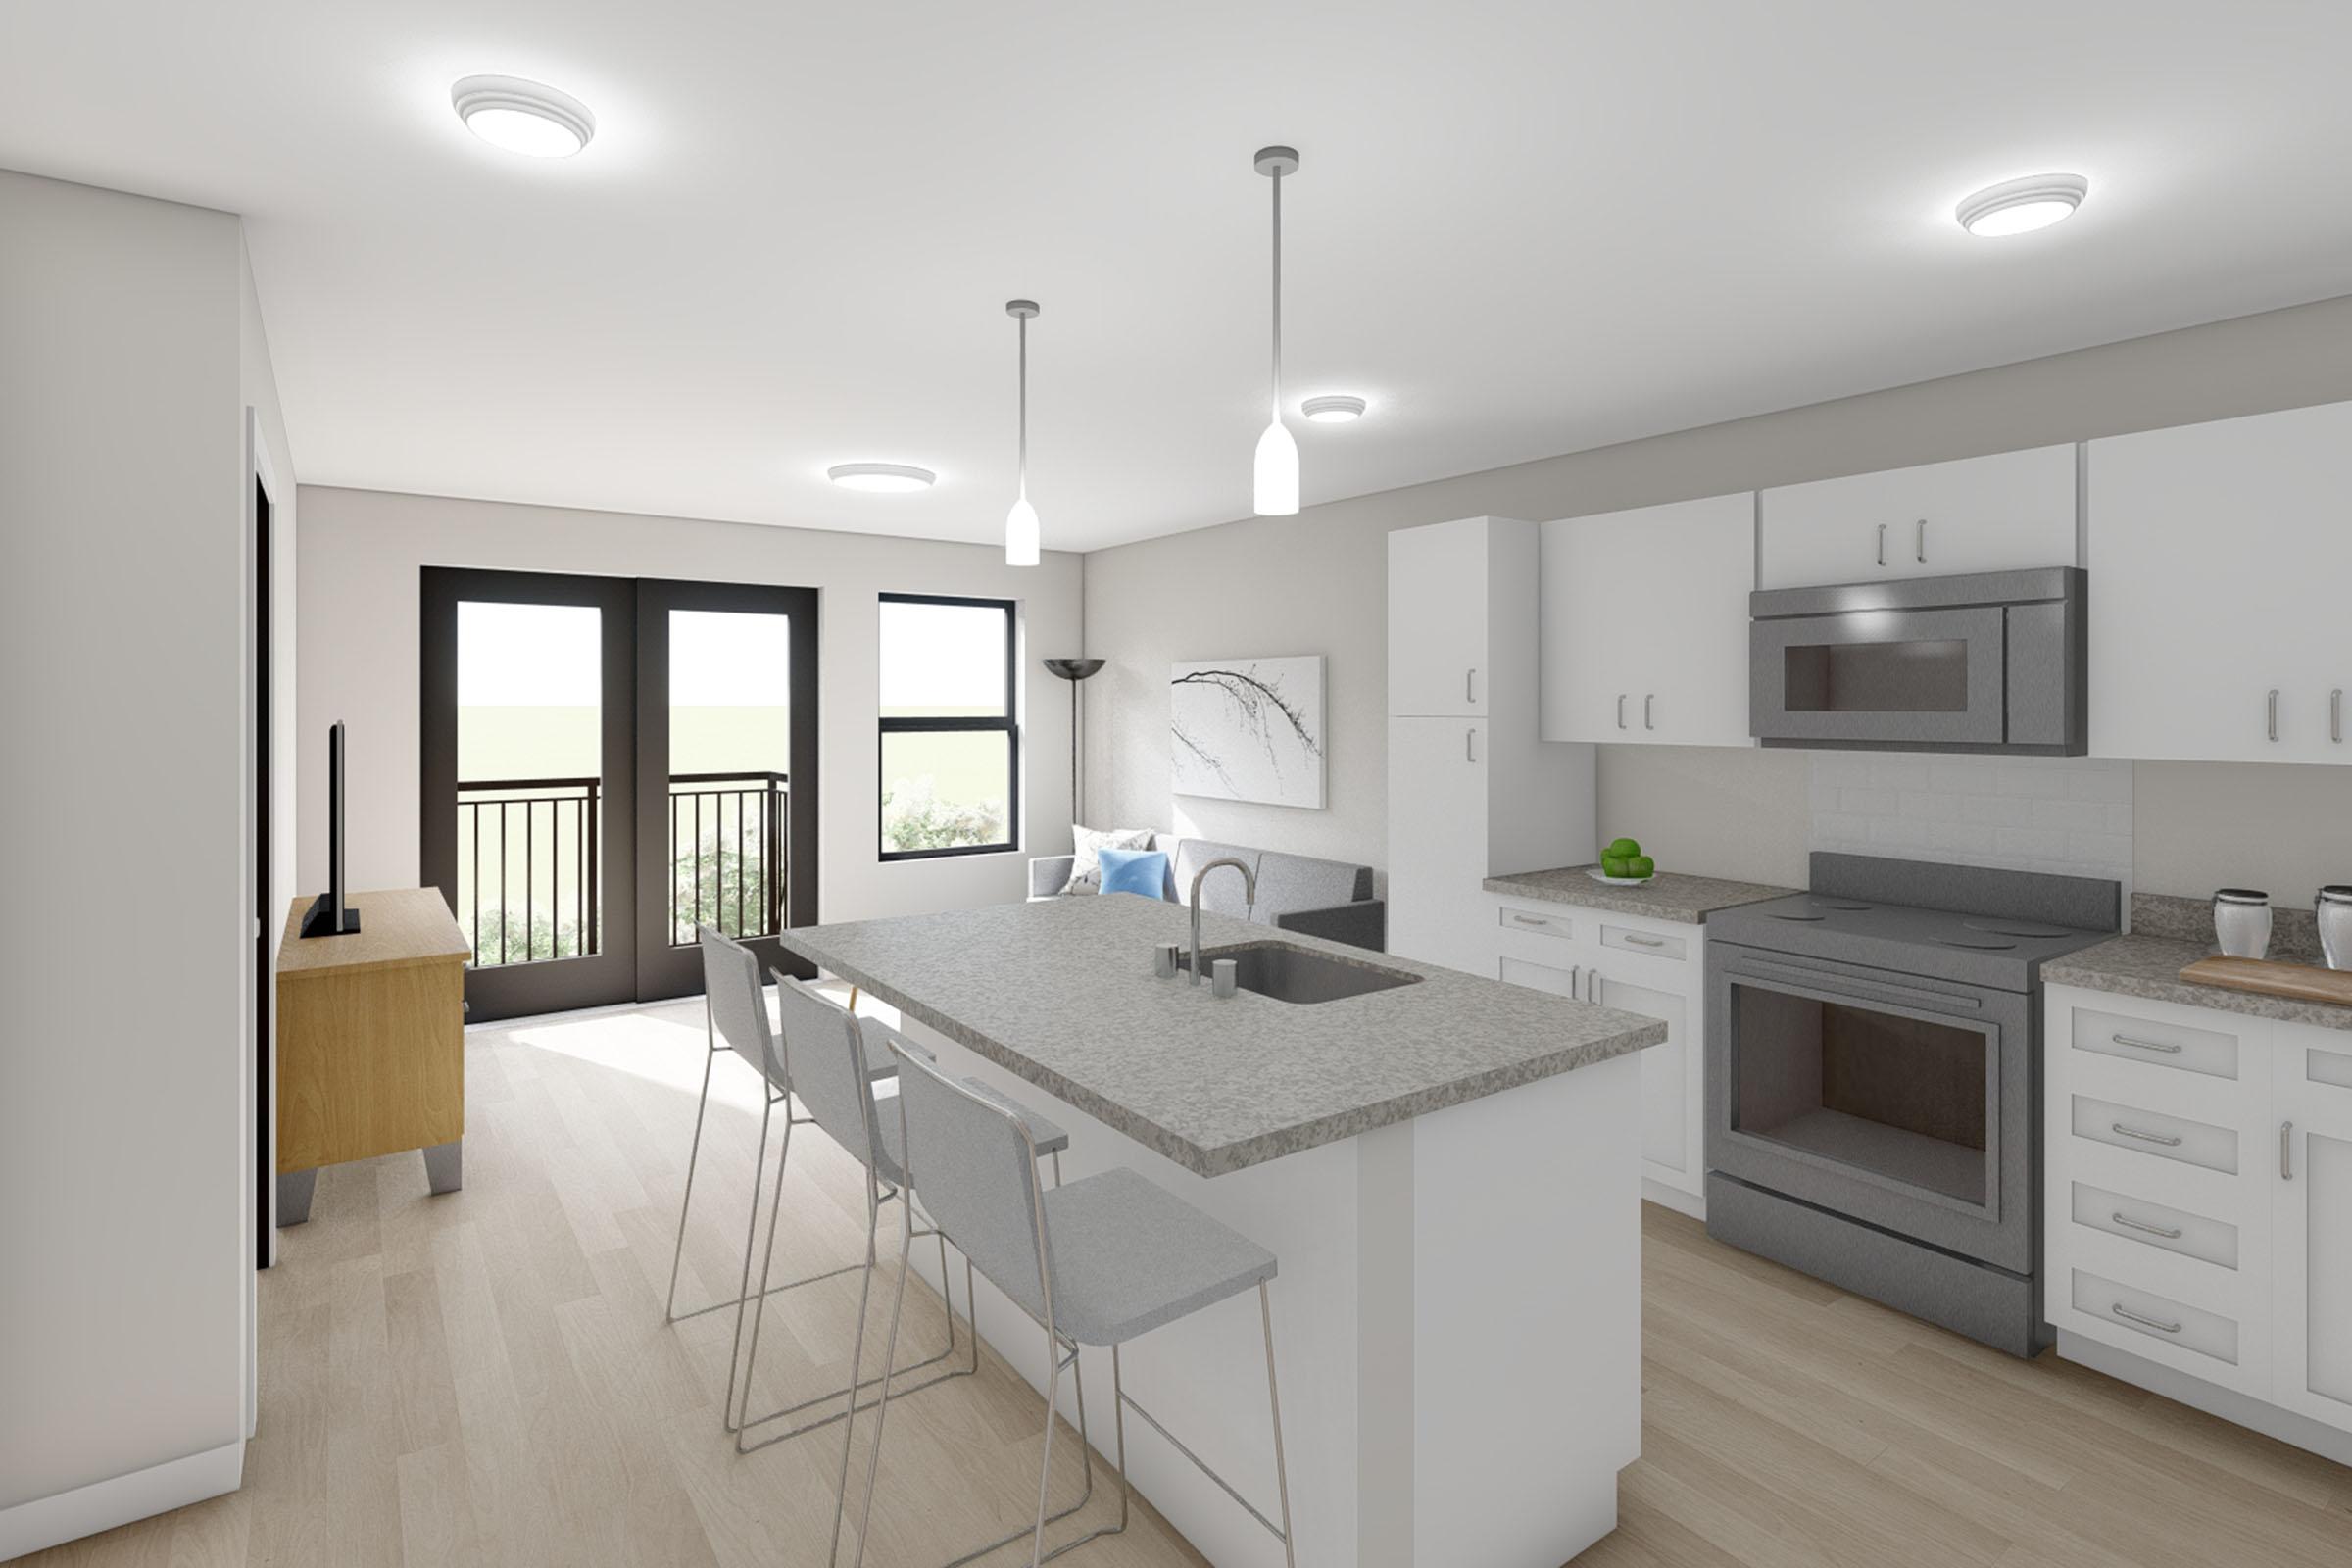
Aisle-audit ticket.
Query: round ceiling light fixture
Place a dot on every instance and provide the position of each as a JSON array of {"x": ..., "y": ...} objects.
[
  {"x": 522, "y": 116},
  {"x": 2022, "y": 206},
  {"x": 1334, "y": 408},
  {"x": 887, "y": 478}
]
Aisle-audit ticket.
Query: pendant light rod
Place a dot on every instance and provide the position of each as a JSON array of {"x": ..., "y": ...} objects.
[
  {"x": 1020, "y": 311},
  {"x": 1274, "y": 163}
]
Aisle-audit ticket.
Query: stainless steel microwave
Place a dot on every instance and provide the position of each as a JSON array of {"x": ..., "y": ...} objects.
[{"x": 1993, "y": 662}]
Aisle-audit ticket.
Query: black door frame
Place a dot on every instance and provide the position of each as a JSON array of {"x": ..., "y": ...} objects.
[
  {"x": 634, "y": 958},
  {"x": 268, "y": 921},
  {"x": 610, "y": 975},
  {"x": 665, "y": 971}
]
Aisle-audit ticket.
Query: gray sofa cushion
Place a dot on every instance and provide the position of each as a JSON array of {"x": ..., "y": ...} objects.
[
  {"x": 1224, "y": 892},
  {"x": 1287, "y": 883}
]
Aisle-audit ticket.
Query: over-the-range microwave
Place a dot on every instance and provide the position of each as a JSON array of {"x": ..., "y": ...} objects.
[{"x": 1992, "y": 661}]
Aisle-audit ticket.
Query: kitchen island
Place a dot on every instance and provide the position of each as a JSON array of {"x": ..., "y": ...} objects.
[{"x": 1448, "y": 1168}]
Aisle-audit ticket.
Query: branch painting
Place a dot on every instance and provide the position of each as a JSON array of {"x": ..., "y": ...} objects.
[{"x": 1249, "y": 729}]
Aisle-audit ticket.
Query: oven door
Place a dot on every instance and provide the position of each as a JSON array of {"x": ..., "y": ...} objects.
[
  {"x": 1901, "y": 677},
  {"x": 1901, "y": 1102}
]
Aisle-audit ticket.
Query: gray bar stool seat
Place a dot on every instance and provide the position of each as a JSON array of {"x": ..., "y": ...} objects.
[{"x": 1100, "y": 1261}]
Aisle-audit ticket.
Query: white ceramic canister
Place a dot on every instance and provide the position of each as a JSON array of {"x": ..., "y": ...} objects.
[
  {"x": 2241, "y": 922},
  {"x": 2333, "y": 908}
]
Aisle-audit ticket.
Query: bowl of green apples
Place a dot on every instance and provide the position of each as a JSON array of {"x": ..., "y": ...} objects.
[{"x": 1624, "y": 863}]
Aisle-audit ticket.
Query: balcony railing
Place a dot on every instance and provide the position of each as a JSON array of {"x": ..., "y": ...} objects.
[{"x": 529, "y": 861}]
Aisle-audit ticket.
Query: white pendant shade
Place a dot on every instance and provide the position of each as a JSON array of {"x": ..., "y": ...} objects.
[
  {"x": 1277, "y": 474},
  {"x": 1020, "y": 534}
]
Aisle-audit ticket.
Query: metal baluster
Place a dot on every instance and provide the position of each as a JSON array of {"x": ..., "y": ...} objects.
[
  {"x": 739, "y": 863},
  {"x": 596, "y": 819},
  {"x": 477, "y": 884},
  {"x": 530, "y": 887},
  {"x": 501, "y": 879},
  {"x": 697, "y": 870}
]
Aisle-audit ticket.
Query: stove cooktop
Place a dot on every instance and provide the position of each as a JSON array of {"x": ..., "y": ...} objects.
[{"x": 1974, "y": 948}]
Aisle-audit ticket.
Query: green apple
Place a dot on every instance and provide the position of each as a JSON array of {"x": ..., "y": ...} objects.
[
  {"x": 1615, "y": 865},
  {"x": 1643, "y": 865},
  {"x": 1623, "y": 849}
]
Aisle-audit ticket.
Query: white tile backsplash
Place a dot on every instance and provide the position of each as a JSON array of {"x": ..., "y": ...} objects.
[{"x": 2068, "y": 814}]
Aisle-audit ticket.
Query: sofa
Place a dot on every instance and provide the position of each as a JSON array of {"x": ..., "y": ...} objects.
[{"x": 1327, "y": 899}]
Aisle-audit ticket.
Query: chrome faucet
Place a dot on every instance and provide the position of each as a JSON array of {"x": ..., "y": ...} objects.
[{"x": 1249, "y": 888}]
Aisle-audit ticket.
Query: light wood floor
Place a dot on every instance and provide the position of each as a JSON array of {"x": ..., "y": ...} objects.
[{"x": 485, "y": 1378}]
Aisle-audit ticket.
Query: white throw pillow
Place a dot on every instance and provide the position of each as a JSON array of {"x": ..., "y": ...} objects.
[{"x": 1086, "y": 870}]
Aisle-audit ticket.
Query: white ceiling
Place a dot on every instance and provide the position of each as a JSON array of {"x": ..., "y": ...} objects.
[{"x": 1519, "y": 230}]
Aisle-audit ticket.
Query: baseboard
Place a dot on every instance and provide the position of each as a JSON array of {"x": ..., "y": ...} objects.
[
  {"x": 1657, "y": 1192},
  {"x": 2288, "y": 1426},
  {"x": 50, "y": 1521}
]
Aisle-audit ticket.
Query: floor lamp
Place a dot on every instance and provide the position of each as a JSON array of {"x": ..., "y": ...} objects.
[{"x": 1074, "y": 671}]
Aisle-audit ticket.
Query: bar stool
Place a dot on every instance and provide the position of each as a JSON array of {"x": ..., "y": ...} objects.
[
  {"x": 735, "y": 1018},
  {"x": 1099, "y": 1261},
  {"x": 827, "y": 1059}
]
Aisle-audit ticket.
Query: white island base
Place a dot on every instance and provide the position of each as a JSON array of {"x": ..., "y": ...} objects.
[{"x": 1457, "y": 1321}]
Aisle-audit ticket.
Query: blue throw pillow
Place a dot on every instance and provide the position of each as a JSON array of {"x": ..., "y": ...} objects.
[{"x": 1143, "y": 871}]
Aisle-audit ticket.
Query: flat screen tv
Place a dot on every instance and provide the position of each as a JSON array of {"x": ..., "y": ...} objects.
[{"x": 328, "y": 916}]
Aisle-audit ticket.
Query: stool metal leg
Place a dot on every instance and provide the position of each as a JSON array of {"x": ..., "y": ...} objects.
[
  {"x": 841, "y": 1495},
  {"x": 1282, "y": 1474},
  {"x": 670, "y": 1307},
  {"x": 751, "y": 1236}
]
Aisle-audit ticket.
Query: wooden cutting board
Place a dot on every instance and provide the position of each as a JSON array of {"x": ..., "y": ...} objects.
[{"x": 2301, "y": 981}]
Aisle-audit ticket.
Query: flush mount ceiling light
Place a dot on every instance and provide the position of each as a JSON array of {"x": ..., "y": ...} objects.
[
  {"x": 888, "y": 478},
  {"x": 1335, "y": 408},
  {"x": 1275, "y": 479},
  {"x": 1020, "y": 524},
  {"x": 2022, "y": 206},
  {"x": 528, "y": 117}
]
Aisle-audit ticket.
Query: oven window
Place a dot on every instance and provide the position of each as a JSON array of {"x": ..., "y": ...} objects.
[
  {"x": 1898, "y": 1096},
  {"x": 1904, "y": 677}
]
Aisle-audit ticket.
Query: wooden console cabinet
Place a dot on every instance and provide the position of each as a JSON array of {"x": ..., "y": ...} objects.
[{"x": 370, "y": 1042}]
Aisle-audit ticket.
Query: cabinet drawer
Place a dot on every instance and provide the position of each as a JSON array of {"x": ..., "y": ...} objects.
[
  {"x": 2158, "y": 1317},
  {"x": 1643, "y": 942},
  {"x": 2160, "y": 1045},
  {"x": 2151, "y": 1132},
  {"x": 1538, "y": 922},
  {"x": 2174, "y": 1230}
]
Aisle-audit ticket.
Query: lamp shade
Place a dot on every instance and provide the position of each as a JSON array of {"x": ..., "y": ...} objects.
[{"x": 1277, "y": 472}]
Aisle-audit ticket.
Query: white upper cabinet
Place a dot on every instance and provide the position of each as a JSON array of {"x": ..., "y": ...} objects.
[
  {"x": 2221, "y": 573},
  {"x": 2006, "y": 513},
  {"x": 1643, "y": 635},
  {"x": 1438, "y": 648}
]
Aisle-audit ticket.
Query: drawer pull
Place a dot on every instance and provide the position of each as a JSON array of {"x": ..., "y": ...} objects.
[
  {"x": 2164, "y": 1046},
  {"x": 2286, "y": 1150},
  {"x": 2145, "y": 1137},
  {"x": 1531, "y": 920},
  {"x": 1881, "y": 544},
  {"x": 2129, "y": 1316},
  {"x": 1640, "y": 941},
  {"x": 2129, "y": 1223}
]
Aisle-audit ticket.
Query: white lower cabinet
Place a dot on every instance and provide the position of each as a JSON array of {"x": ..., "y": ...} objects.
[
  {"x": 2198, "y": 1204},
  {"x": 2311, "y": 1218},
  {"x": 1651, "y": 968}
]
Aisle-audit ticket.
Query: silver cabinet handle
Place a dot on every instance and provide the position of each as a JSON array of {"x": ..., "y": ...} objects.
[
  {"x": 1591, "y": 985},
  {"x": 1469, "y": 746},
  {"x": 1576, "y": 983},
  {"x": 2165, "y": 1047},
  {"x": 2273, "y": 703},
  {"x": 1648, "y": 704},
  {"x": 2129, "y": 1223},
  {"x": 2286, "y": 1150},
  {"x": 1640, "y": 941},
  {"x": 1923, "y": 541},
  {"x": 1881, "y": 544},
  {"x": 1621, "y": 709},
  {"x": 2336, "y": 715},
  {"x": 2144, "y": 1136},
  {"x": 2129, "y": 1316},
  {"x": 1531, "y": 920},
  {"x": 1469, "y": 685}
]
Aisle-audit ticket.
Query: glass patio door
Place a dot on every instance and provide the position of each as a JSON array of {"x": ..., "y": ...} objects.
[
  {"x": 726, "y": 749},
  {"x": 609, "y": 764}
]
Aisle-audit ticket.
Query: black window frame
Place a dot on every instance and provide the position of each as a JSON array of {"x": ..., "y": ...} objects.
[{"x": 1009, "y": 725}]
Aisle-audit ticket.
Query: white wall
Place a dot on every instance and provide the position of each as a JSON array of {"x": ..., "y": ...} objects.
[
  {"x": 362, "y": 551},
  {"x": 1316, "y": 584},
  {"x": 125, "y": 952}
]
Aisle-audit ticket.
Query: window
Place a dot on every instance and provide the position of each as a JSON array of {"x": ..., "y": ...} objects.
[{"x": 951, "y": 746}]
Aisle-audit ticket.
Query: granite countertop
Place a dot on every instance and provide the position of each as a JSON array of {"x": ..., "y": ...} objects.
[
  {"x": 1061, "y": 994},
  {"x": 2143, "y": 965},
  {"x": 1671, "y": 896}
]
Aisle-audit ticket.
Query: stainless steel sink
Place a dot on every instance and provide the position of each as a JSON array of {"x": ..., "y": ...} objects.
[{"x": 1288, "y": 973}]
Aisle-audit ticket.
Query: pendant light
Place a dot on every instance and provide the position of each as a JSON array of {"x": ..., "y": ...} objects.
[
  {"x": 1275, "y": 488},
  {"x": 1020, "y": 524}
]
